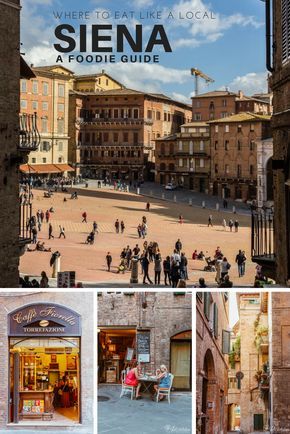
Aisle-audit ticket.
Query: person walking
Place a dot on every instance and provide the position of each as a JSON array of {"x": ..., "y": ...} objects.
[
  {"x": 47, "y": 216},
  {"x": 145, "y": 266},
  {"x": 148, "y": 206},
  {"x": 183, "y": 267},
  {"x": 237, "y": 224},
  {"x": 50, "y": 229},
  {"x": 157, "y": 269},
  {"x": 95, "y": 227},
  {"x": 240, "y": 261},
  {"x": 244, "y": 263},
  {"x": 39, "y": 225},
  {"x": 122, "y": 224},
  {"x": 225, "y": 266},
  {"x": 209, "y": 223},
  {"x": 181, "y": 219},
  {"x": 61, "y": 232},
  {"x": 117, "y": 226},
  {"x": 231, "y": 224},
  {"x": 224, "y": 224},
  {"x": 34, "y": 235},
  {"x": 166, "y": 271},
  {"x": 84, "y": 216},
  {"x": 109, "y": 261},
  {"x": 178, "y": 245}
]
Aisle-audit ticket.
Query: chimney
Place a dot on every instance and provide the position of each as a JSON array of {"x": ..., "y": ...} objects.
[
  {"x": 31, "y": 65},
  {"x": 240, "y": 93},
  {"x": 103, "y": 71}
]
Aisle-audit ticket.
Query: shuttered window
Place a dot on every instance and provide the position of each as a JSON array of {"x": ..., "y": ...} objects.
[
  {"x": 215, "y": 320},
  {"x": 285, "y": 14},
  {"x": 226, "y": 342},
  {"x": 206, "y": 306}
]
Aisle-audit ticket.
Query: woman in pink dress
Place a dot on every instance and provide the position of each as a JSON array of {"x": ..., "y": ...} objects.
[{"x": 132, "y": 379}]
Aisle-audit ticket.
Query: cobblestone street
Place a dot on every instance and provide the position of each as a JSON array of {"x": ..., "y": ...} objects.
[{"x": 117, "y": 416}]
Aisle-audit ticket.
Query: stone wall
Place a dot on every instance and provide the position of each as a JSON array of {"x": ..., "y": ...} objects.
[
  {"x": 210, "y": 347},
  {"x": 165, "y": 314},
  {"x": 251, "y": 361},
  {"x": 280, "y": 361},
  {"x": 9, "y": 138},
  {"x": 280, "y": 84}
]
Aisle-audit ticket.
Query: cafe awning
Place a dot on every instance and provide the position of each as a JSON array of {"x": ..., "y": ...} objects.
[
  {"x": 45, "y": 168},
  {"x": 65, "y": 167}
]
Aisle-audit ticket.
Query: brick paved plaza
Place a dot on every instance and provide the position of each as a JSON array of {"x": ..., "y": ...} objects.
[{"x": 105, "y": 206}]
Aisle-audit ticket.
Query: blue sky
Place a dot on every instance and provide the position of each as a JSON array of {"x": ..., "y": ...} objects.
[{"x": 229, "y": 48}]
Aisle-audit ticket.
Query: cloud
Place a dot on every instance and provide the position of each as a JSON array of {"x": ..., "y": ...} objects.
[
  {"x": 142, "y": 3},
  {"x": 148, "y": 77},
  {"x": 253, "y": 82},
  {"x": 180, "y": 97},
  {"x": 198, "y": 31}
]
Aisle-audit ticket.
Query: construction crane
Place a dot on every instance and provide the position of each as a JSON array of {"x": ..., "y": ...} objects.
[{"x": 199, "y": 74}]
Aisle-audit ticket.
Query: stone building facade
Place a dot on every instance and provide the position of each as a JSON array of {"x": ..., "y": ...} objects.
[
  {"x": 116, "y": 129},
  {"x": 280, "y": 363},
  {"x": 184, "y": 158},
  {"x": 264, "y": 172},
  {"x": 22, "y": 310},
  {"x": 219, "y": 104},
  {"x": 9, "y": 121},
  {"x": 234, "y": 390},
  {"x": 280, "y": 85},
  {"x": 254, "y": 361},
  {"x": 212, "y": 348},
  {"x": 47, "y": 94},
  {"x": 16, "y": 143},
  {"x": 234, "y": 154},
  {"x": 166, "y": 319}
]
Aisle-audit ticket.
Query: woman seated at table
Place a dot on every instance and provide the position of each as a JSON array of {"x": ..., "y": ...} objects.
[
  {"x": 163, "y": 376},
  {"x": 132, "y": 379}
]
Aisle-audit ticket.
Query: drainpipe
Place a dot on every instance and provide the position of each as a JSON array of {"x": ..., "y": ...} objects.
[{"x": 268, "y": 35}]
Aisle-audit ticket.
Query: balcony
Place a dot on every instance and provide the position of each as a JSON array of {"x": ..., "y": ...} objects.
[
  {"x": 116, "y": 121},
  {"x": 25, "y": 213},
  {"x": 29, "y": 137},
  {"x": 262, "y": 241},
  {"x": 104, "y": 145},
  {"x": 109, "y": 162}
]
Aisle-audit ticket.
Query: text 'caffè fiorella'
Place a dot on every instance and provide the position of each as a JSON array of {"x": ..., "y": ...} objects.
[{"x": 44, "y": 381}]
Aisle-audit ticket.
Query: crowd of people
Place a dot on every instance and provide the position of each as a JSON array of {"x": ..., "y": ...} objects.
[
  {"x": 170, "y": 269},
  {"x": 231, "y": 224}
]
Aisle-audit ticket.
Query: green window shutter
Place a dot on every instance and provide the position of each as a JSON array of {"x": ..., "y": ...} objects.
[
  {"x": 206, "y": 304},
  {"x": 258, "y": 422},
  {"x": 226, "y": 342},
  {"x": 215, "y": 320}
]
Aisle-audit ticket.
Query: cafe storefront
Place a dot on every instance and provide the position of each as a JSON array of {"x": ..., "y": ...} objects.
[
  {"x": 149, "y": 328},
  {"x": 47, "y": 383},
  {"x": 119, "y": 349},
  {"x": 44, "y": 343}
]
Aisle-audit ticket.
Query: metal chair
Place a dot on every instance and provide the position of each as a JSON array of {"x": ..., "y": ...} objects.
[
  {"x": 126, "y": 387},
  {"x": 165, "y": 391}
]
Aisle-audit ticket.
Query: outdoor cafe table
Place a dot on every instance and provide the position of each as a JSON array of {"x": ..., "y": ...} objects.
[{"x": 147, "y": 382}]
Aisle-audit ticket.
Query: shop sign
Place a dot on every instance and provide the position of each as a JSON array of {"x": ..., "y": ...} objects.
[
  {"x": 143, "y": 346},
  {"x": 44, "y": 319}
]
